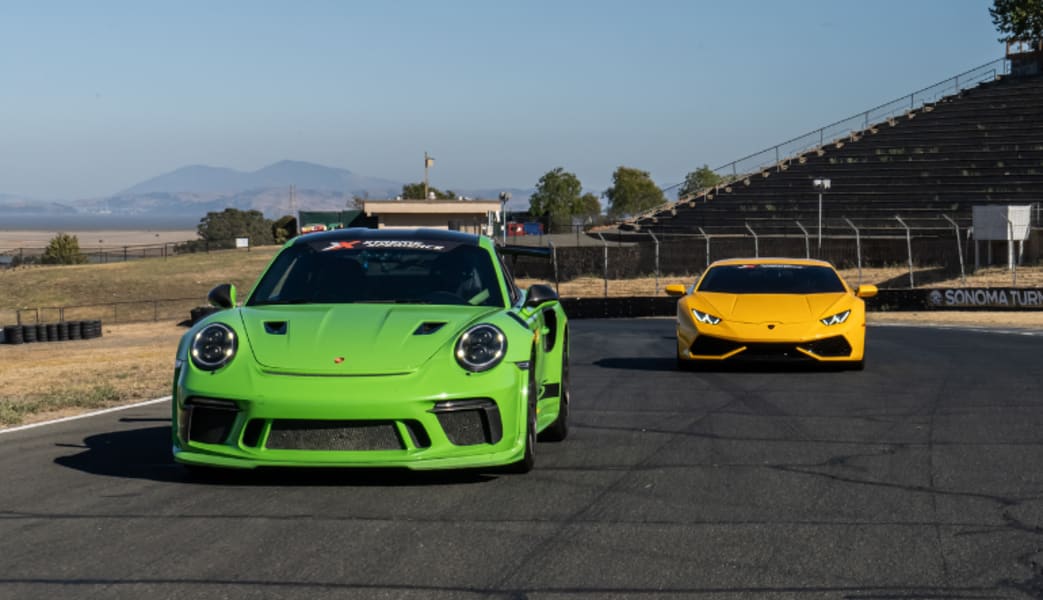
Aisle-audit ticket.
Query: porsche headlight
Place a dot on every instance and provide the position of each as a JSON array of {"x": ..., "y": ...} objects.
[
  {"x": 213, "y": 346},
  {"x": 836, "y": 319},
  {"x": 481, "y": 348},
  {"x": 705, "y": 317}
]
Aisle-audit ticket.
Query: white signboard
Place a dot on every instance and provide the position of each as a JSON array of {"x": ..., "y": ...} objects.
[
  {"x": 994, "y": 222},
  {"x": 242, "y": 242}
]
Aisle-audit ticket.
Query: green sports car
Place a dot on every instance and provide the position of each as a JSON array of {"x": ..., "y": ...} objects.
[{"x": 376, "y": 348}]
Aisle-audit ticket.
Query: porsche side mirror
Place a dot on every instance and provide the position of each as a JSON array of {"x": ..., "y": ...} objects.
[
  {"x": 222, "y": 296},
  {"x": 865, "y": 291},
  {"x": 539, "y": 294},
  {"x": 675, "y": 289}
]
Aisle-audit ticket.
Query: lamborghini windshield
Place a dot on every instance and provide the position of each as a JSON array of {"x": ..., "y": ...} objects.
[
  {"x": 771, "y": 279},
  {"x": 380, "y": 271}
]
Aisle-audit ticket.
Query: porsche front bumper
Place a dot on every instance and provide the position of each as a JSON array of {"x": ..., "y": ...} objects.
[{"x": 363, "y": 421}]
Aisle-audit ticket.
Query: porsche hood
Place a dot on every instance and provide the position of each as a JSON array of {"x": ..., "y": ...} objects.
[{"x": 353, "y": 339}]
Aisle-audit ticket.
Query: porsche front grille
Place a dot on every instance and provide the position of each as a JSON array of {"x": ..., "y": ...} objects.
[{"x": 288, "y": 434}]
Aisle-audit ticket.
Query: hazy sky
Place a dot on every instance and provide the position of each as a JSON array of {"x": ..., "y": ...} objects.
[{"x": 97, "y": 96}]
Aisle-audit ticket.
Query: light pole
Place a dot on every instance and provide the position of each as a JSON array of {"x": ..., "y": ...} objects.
[
  {"x": 429, "y": 162},
  {"x": 504, "y": 197},
  {"x": 821, "y": 185}
]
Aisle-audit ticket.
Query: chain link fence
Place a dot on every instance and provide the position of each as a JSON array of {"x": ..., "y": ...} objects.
[
  {"x": 28, "y": 255},
  {"x": 919, "y": 250}
]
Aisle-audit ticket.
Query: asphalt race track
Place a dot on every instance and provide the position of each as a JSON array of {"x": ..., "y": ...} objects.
[{"x": 920, "y": 477}]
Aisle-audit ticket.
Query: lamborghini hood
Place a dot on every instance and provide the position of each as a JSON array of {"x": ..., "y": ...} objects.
[
  {"x": 771, "y": 308},
  {"x": 353, "y": 339}
]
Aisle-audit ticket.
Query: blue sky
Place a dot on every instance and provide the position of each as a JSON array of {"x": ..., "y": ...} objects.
[{"x": 97, "y": 96}]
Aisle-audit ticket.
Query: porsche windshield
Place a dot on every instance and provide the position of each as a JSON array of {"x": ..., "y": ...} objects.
[
  {"x": 771, "y": 279},
  {"x": 380, "y": 271}
]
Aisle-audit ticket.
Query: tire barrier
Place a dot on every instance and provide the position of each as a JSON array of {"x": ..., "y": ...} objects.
[{"x": 52, "y": 332}]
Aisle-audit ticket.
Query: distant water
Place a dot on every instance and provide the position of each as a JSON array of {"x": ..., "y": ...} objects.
[{"x": 95, "y": 222}]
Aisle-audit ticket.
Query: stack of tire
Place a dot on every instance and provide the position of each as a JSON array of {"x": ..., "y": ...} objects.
[{"x": 52, "y": 332}]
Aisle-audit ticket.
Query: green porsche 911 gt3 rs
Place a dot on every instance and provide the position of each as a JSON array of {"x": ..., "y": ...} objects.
[{"x": 375, "y": 348}]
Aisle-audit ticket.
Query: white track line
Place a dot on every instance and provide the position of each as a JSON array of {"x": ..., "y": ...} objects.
[{"x": 85, "y": 415}]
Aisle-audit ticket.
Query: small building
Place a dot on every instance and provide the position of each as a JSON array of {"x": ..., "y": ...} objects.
[{"x": 464, "y": 214}]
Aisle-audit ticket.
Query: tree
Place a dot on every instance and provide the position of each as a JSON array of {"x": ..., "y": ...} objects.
[
  {"x": 1018, "y": 20},
  {"x": 284, "y": 228},
  {"x": 588, "y": 205},
  {"x": 698, "y": 180},
  {"x": 220, "y": 229},
  {"x": 557, "y": 195},
  {"x": 632, "y": 192},
  {"x": 63, "y": 249},
  {"x": 415, "y": 191}
]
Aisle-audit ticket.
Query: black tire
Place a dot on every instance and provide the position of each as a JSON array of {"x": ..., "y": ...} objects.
[
  {"x": 528, "y": 460},
  {"x": 29, "y": 333},
  {"x": 41, "y": 332},
  {"x": 686, "y": 365},
  {"x": 63, "y": 331},
  {"x": 13, "y": 334},
  {"x": 75, "y": 330},
  {"x": 52, "y": 332},
  {"x": 559, "y": 429},
  {"x": 97, "y": 328},
  {"x": 87, "y": 330}
]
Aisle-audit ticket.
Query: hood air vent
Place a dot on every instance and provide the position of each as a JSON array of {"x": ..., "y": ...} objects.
[
  {"x": 275, "y": 327},
  {"x": 429, "y": 327}
]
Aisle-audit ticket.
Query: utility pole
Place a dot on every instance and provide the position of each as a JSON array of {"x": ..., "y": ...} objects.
[{"x": 428, "y": 162}]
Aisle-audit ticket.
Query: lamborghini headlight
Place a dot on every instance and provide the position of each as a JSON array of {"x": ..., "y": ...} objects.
[
  {"x": 214, "y": 346},
  {"x": 481, "y": 348},
  {"x": 836, "y": 319},
  {"x": 707, "y": 318}
]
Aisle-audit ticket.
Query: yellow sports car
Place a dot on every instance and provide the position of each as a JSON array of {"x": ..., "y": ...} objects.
[{"x": 771, "y": 309}]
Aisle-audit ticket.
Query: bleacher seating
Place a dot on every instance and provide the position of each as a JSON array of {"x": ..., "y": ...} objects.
[{"x": 982, "y": 145}]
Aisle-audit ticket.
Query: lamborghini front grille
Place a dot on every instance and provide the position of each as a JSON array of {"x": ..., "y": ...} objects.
[{"x": 835, "y": 346}]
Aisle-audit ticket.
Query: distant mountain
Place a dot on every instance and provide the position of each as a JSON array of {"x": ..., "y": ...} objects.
[
  {"x": 193, "y": 191},
  {"x": 16, "y": 204},
  {"x": 202, "y": 179}
]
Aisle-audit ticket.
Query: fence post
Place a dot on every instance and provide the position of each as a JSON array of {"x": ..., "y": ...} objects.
[
  {"x": 707, "y": 238},
  {"x": 1012, "y": 259},
  {"x": 909, "y": 247},
  {"x": 756, "y": 241},
  {"x": 807, "y": 241},
  {"x": 959, "y": 248},
  {"x": 858, "y": 248},
  {"x": 606, "y": 262},
  {"x": 554, "y": 263},
  {"x": 656, "y": 240}
]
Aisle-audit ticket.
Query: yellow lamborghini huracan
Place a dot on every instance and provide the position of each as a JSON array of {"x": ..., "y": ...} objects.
[{"x": 771, "y": 309}]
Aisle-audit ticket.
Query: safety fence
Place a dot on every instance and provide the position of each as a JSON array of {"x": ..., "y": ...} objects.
[
  {"x": 908, "y": 250},
  {"x": 174, "y": 309},
  {"x": 95, "y": 254}
]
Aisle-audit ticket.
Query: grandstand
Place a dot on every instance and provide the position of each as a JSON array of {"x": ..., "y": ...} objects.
[{"x": 939, "y": 151}]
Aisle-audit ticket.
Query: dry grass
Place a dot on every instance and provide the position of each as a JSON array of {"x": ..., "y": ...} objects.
[
  {"x": 128, "y": 363},
  {"x": 184, "y": 276},
  {"x": 133, "y": 362}
]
